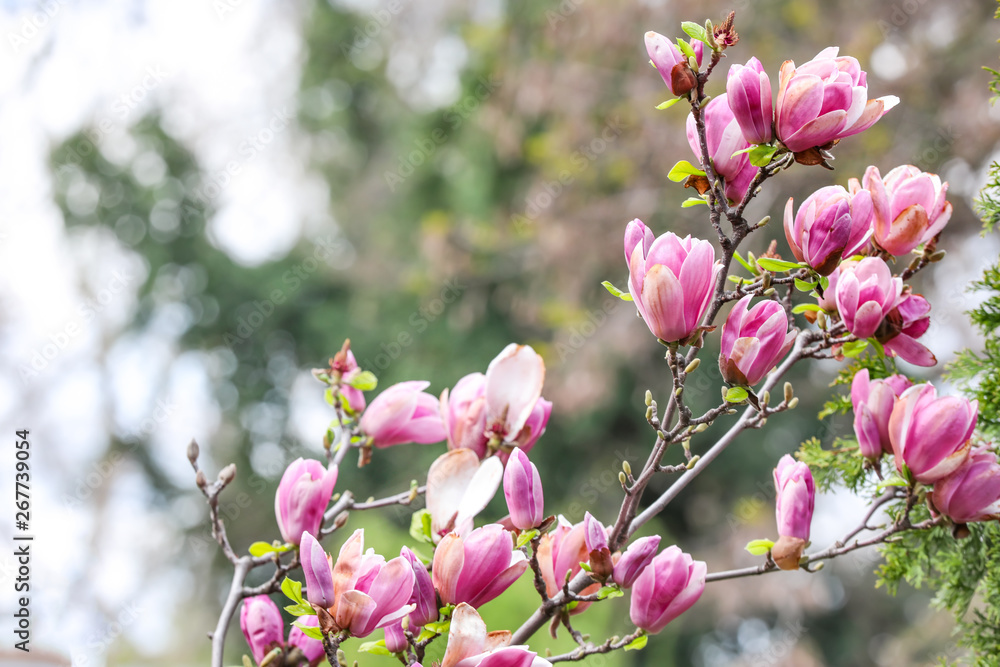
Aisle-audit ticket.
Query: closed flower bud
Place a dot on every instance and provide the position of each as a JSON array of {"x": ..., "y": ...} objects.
[
  {"x": 665, "y": 589},
  {"x": 873, "y": 401},
  {"x": 638, "y": 555},
  {"x": 311, "y": 648},
  {"x": 522, "y": 487},
  {"x": 796, "y": 497},
  {"x": 831, "y": 224},
  {"x": 403, "y": 413},
  {"x": 671, "y": 64},
  {"x": 262, "y": 626},
  {"x": 303, "y": 494},
  {"x": 972, "y": 492},
  {"x": 930, "y": 435},
  {"x": 753, "y": 341},
  {"x": 748, "y": 91}
]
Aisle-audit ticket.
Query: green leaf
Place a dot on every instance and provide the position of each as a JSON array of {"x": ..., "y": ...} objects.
[
  {"x": 760, "y": 156},
  {"x": 668, "y": 103},
  {"x": 293, "y": 590},
  {"x": 375, "y": 648},
  {"x": 686, "y": 49},
  {"x": 736, "y": 395},
  {"x": 804, "y": 285},
  {"x": 777, "y": 265},
  {"x": 758, "y": 547},
  {"x": 262, "y": 548},
  {"x": 693, "y": 201},
  {"x": 438, "y": 627},
  {"x": 309, "y": 630},
  {"x": 682, "y": 170},
  {"x": 420, "y": 526},
  {"x": 854, "y": 348},
  {"x": 609, "y": 592},
  {"x": 624, "y": 296},
  {"x": 746, "y": 265},
  {"x": 803, "y": 307},
  {"x": 696, "y": 31},
  {"x": 300, "y": 610},
  {"x": 526, "y": 537},
  {"x": 586, "y": 567},
  {"x": 365, "y": 381},
  {"x": 637, "y": 643},
  {"x": 824, "y": 282},
  {"x": 895, "y": 480}
]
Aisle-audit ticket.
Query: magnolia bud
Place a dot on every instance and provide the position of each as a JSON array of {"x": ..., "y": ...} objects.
[
  {"x": 768, "y": 292},
  {"x": 788, "y": 391},
  {"x": 700, "y": 427},
  {"x": 763, "y": 221},
  {"x": 227, "y": 474},
  {"x": 936, "y": 257},
  {"x": 200, "y": 480},
  {"x": 649, "y": 397},
  {"x": 792, "y": 403},
  {"x": 626, "y": 467},
  {"x": 765, "y": 397},
  {"x": 192, "y": 452},
  {"x": 622, "y": 478},
  {"x": 766, "y": 280},
  {"x": 693, "y": 461},
  {"x": 678, "y": 391},
  {"x": 693, "y": 366},
  {"x": 649, "y": 413}
]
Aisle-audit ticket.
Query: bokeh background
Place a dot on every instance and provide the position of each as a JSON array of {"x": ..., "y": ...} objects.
[{"x": 202, "y": 198}]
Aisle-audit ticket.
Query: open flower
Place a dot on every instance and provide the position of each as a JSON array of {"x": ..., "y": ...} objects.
[
  {"x": 725, "y": 141},
  {"x": 514, "y": 382},
  {"x": 478, "y": 567},
  {"x": 560, "y": 552},
  {"x": 930, "y": 435},
  {"x": 910, "y": 207},
  {"x": 831, "y": 224},
  {"x": 459, "y": 487},
  {"x": 825, "y": 100},
  {"x": 469, "y": 645},
  {"x": 903, "y": 325},
  {"x": 866, "y": 294},
  {"x": 463, "y": 409},
  {"x": 668, "y": 587},
  {"x": 303, "y": 494},
  {"x": 671, "y": 280},
  {"x": 403, "y": 413},
  {"x": 753, "y": 341}
]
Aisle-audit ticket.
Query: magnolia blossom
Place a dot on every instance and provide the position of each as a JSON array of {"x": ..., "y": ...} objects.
[
  {"x": 361, "y": 591},
  {"x": 903, "y": 325},
  {"x": 669, "y": 586},
  {"x": 513, "y": 387},
  {"x": 753, "y": 341},
  {"x": 972, "y": 492},
  {"x": 459, "y": 487},
  {"x": 831, "y": 224},
  {"x": 403, "y": 413},
  {"x": 910, "y": 207},
  {"x": 635, "y": 559},
  {"x": 311, "y": 648},
  {"x": 873, "y": 401},
  {"x": 478, "y": 567},
  {"x": 793, "y": 509},
  {"x": 345, "y": 364},
  {"x": 303, "y": 494},
  {"x": 725, "y": 141},
  {"x": 470, "y": 645},
  {"x": 522, "y": 488},
  {"x": 748, "y": 91},
  {"x": 262, "y": 626},
  {"x": 824, "y": 100},
  {"x": 463, "y": 410},
  {"x": 671, "y": 280},
  {"x": 930, "y": 435},
  {"x": 866, "y": 294},
  {"x": 424, "y": 597},
  {"x": 560, "y": 552},
  {"x": 671, "y": 63},
  {"x": 595, "y": 537}
]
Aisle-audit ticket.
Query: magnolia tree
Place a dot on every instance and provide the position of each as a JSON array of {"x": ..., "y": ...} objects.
[{"x": 843, "y": 295}]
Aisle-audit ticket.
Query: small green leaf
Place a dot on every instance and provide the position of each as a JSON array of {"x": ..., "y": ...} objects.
[
  {"x": 682, "y": 170},
  {"x": 760, "y": 156},
  {"x": 693, "y": 201},
  {"x": 375, "y": 648},
  {"x": 824, "y": 282},
  {"x": 777, "y": 265},
  {"x": 525, "y": 537},
  {"x": 895, "y": 480},
  {"x": 300, "y": 610},
  {"x": 586, "y": 567},
  {"x": 438, "y": 627},
  {"x": 854, "y": 348},
  {"x": 758, "y": 547},
  {"x": 803, "y": 307},
  {"x": 609, "y": 592},
  {"x": 637, "y": 643},
  {"x": 736, "y": 395},
  {"x": 309, "y": 630},
  {"x": 624, "y": 296},
  {"x": 365, "y": 381},
  {"x": 668, "y": 103},
  {"x": 261, "y": 548},
  {"x": 420, "y": 526},
  {"x": 746, "y": 265},
  {"x": 745, "y": 150},
  {"x": 696, "y": 31},
  {"x": 293, "y": 590},
  {"x": 686, "y": 49},
  {"x": 804, "y": 285}
]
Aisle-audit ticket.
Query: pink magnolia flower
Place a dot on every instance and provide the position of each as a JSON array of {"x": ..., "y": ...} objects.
[
  {"x": 262, "y": 626},
  {"x": 671, "y": 280},
  {"x": 903, "y": 325},
  {"x": 469, "y": 645},
  {"x": 748, "y": 91},
  {"x": 459, "y": 487},
  {"x": 873, "y": 401},
  {"x": 562, "y": 551},
  {"x": 533, "y": 429},
  {"x": 910, "y": 207},
  {"x": 424, "y": 596},
  {"x": 724, "y": 138},
  {"x": 595, "y": 537},
  {"x": 345, "y": 363},
  {"x": 514, "y": 382},
  {"x": 361, "y": 591},
  {"x": 866, "y": 295},
  {"x": 931, "y": 435},
  {"x": 972, "y": 492},
  {"x": 463, "y": 410},
  {"x": 831, "y": 224},
  {"x": 303, "y": 494},
  {"x": 824, "y": 100},
  {"x": 793, "y": 510},
  {"x": 522, "y": 487},
  {"x": 671, "y": 63},
  {"x": 669, "y": 586},
  {"x": 753, "y": 341},
  {"x": 635, "y": 559},
  {"x": 311, "y": 648},
  {"x": 478, "y": 567},
  {"x": 403, "y": 413}
]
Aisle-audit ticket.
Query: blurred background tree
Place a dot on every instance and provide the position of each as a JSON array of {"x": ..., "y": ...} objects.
[{"x": 461, "y": 176}]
